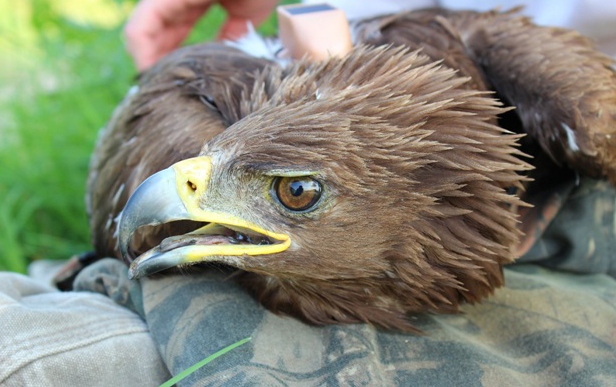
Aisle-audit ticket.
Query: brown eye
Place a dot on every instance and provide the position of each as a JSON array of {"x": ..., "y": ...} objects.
[{"x": 297, "y": 193}]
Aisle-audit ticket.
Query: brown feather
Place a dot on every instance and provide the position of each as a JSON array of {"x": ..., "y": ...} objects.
[
  {"x": 564, "y": 90},
  {"x": 416, "y": 215}
]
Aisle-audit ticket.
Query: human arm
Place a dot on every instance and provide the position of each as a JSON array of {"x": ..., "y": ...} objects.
[{"x": 157, "y": 27}]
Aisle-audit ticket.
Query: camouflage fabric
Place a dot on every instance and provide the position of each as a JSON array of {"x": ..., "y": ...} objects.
[
  {"x": 582, "y": 236},
  {"x": 554, "y": 323}
]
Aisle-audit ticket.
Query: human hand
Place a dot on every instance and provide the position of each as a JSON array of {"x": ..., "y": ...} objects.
[{"x": 157, "y": 27}]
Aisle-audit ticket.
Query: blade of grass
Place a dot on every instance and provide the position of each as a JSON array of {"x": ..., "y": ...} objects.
[{"x": 190, "y": 370}]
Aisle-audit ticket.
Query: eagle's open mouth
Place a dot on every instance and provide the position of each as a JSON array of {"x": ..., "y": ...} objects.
[
  {"x": 210, "y": 243},
  {"x": 173, "y": 194},
  {"x": 215, "y": 234}
]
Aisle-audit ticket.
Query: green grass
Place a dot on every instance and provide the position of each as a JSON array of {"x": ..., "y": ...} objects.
[
  {"x": 63, "y": 69},
  {"x": 195, "y": 367}
]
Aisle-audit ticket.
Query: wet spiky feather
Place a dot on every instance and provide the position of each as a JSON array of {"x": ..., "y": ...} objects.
[{"x": 417, "y": 212}]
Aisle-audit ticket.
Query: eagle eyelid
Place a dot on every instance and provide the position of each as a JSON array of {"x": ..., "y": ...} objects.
[{"x": 208, "y": 101}]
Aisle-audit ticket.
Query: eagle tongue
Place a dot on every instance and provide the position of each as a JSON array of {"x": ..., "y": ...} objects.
[{"x": 178, "y": 241}]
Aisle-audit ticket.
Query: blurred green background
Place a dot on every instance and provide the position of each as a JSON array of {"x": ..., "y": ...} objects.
[{"x": 63, "y": 69}]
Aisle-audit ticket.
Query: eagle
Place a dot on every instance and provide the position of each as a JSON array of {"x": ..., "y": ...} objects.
[{"x": 362, "y": 188}]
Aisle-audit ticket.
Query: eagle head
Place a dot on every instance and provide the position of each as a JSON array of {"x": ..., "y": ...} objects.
[{"x": 357, "y": 189}]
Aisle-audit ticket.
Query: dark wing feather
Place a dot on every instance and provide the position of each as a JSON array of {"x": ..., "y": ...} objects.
[
  {"x": 423, "y": 30},
  {"x": 185, "y": 100},
  {"x": 563, "y": 89}
]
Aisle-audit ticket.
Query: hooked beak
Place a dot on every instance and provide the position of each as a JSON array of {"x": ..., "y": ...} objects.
[{"x": 175, "y": 194}]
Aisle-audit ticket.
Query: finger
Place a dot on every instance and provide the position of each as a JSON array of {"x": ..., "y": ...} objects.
[
  {"x": 255, "y": 10},
  {"x": 233, "y": 29},
  {"x": 242, "y": 12},
  {"x": 157, "y": 27}
]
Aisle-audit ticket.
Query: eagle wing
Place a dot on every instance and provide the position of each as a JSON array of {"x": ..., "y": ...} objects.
[{"x": 563, "y": 89}]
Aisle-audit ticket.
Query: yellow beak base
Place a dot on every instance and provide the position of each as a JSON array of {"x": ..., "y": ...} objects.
[{"x": 174, "y": 194}]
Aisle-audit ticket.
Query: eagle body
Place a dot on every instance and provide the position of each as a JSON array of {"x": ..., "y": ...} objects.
[{"x": 356, "y": 189}]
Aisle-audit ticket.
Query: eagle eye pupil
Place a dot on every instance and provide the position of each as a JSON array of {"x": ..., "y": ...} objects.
[
  {"x": 297, "y": 193},
  {"x": 296, "y": 188}
]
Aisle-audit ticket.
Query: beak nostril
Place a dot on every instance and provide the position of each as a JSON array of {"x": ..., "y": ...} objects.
[{"x": 192, "y": 176}]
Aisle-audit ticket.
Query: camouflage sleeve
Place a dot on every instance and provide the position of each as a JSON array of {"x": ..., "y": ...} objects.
[
  {"x": 553, "y": 324},
  {"x": 582, "y": 236},
  {"x": 544, "y": 327}
]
